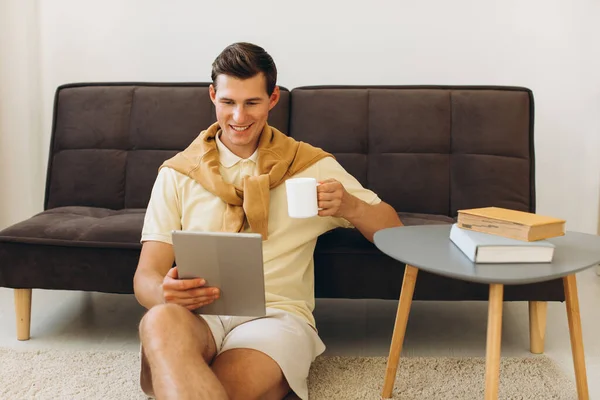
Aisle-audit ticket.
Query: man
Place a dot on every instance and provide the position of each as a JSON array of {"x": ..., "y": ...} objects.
[{"x": 231, "y": 178}]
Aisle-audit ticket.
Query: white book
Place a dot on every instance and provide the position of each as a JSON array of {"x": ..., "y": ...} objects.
[{"x": 487, "y": 248}]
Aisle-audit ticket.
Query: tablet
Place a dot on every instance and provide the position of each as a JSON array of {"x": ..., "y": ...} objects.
[{"x": 233, "y": 262}]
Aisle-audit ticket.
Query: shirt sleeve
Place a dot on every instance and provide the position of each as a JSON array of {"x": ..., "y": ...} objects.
[
  {"x": 163, "y": 214},
  {"x": 329, "y": 168}
]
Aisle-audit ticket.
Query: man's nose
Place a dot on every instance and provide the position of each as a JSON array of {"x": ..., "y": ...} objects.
[{"x": 239, "y": 114}]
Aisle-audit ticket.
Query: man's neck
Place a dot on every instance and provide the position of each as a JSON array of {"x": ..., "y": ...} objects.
[{"x": 240, "y": 151}]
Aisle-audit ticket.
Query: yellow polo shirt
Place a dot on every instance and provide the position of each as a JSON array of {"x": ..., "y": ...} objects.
[{"x": 178, "y": 202}]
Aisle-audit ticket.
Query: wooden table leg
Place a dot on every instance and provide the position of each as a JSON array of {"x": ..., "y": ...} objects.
[
  {"x": 22, "y": 298},
  {"x": 538, "y": 314},
  {"x": 574, "y": 318},
  {"x": 494, "y": 340},
  {"x": 406, "y": 295}
]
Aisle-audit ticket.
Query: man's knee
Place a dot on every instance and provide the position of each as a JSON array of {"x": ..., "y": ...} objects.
[
  {"x": 170, "y": 326},
  {"x": 160, "y": 319}
]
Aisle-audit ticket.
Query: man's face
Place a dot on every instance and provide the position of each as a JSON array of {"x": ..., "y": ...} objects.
[{"x": 242, "y": 107}]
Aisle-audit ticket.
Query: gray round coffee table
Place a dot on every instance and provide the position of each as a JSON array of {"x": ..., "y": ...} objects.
[{"x": 430, "y": 249}]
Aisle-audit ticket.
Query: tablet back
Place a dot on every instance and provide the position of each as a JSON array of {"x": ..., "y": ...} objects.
[{"x": 233, "y": 262}]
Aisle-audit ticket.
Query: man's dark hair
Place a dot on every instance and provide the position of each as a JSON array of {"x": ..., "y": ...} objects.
[{"x": 245, "y": 60}]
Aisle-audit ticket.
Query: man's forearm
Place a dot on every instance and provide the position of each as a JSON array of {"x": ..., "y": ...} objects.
[
  {"x": 369, "y": 219},
  {"x": 147, "y": 285},
  {"x": 155, "y": 261}
]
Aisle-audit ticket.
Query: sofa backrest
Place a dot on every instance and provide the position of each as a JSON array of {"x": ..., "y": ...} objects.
[
  {"x": 422, "y": 149},
  {"x": 108, "y": 139},
  {"x": 426, "y": 149}
]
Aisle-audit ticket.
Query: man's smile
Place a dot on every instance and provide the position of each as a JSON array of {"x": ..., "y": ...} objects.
[{"x": 240, "y": 128}]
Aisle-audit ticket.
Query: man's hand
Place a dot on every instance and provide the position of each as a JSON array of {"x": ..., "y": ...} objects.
[
  {"x": 334, "y": 200},
  {"x": 189, "y": 293}
]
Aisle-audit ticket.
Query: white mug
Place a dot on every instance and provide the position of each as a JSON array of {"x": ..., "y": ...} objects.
[{"x": 302, "y": 197}]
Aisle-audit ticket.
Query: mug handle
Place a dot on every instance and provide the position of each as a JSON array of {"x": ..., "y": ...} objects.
[{"x": 318, "y": 208}]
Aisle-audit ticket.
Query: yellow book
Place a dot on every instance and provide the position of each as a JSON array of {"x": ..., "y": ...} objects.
[{"x": 514, "y": 224}]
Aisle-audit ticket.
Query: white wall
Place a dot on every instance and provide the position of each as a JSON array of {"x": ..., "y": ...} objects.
[
  {"x": 548, "y": 46},
  {"x": 21, "y": 178}
]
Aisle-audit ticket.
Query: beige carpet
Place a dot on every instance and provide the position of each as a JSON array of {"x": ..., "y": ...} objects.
[{"x": 54, "y": 374}]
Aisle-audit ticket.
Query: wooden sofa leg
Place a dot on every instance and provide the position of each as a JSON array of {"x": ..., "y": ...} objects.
[
  {"x": 23, "y": 312},
  {"x": 538, "y": 311}
]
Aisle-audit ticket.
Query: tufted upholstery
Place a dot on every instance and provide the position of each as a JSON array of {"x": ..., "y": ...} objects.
[
  {"x": 109, "y": 141},
  {"x": 425, "y": 150}
]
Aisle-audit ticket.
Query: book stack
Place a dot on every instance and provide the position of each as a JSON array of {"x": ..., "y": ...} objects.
[{"x": 500, "y": 235}]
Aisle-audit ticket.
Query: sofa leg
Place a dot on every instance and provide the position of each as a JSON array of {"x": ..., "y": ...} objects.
[
  {"x": 538, "y": 311},
  {"x": 23, "y": 312}
]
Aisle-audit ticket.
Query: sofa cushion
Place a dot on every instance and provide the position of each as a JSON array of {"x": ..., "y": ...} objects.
[
  {"x": 73, "y": 248},
  {"x": 102, "y": 227},
  {"x": 109, "y": 139},
  {"x": 97, "y": 249},
  {"x": 80, "y": 226},
  {"x": 432, "y": 150}
]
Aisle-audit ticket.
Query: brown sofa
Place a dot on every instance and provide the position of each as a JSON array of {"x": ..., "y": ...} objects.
[{"x": 428, "y": 151}]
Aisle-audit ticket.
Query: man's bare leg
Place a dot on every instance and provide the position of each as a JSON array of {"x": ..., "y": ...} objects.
[
  {"x": 250, "y": 374},
  {"x": 178, "y": 346}
]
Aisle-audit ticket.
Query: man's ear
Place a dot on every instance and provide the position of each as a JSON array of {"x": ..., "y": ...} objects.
[
  {"x": 274, "y": 99},
  {"x": 212, "y": 92}
]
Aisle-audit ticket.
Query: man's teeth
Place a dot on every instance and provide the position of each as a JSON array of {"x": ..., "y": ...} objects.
[{"x": 240, "y": 128}]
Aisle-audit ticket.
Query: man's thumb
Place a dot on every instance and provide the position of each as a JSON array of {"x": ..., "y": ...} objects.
[{"x": 173, "y": 273}]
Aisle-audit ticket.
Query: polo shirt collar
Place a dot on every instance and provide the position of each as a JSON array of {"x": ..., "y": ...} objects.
[{"x": 227, "y": 158}]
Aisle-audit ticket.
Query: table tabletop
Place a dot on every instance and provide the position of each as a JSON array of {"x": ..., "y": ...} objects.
[{"x": 429, "y": 248}]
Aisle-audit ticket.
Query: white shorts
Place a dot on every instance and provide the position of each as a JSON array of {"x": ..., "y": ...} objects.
[{"x": 283, "y": 336}]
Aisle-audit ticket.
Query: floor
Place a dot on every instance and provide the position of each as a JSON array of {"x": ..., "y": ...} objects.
[{"x": 79, "y": 320}]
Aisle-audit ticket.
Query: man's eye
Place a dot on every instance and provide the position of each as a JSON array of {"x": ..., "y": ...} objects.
[{"x": 252, "y": 103}]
